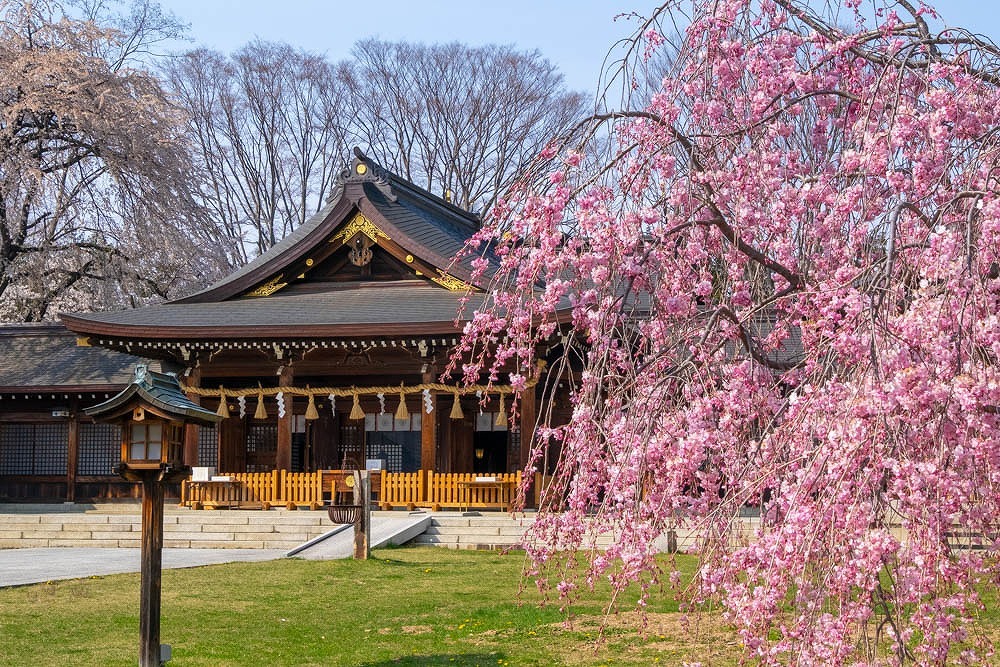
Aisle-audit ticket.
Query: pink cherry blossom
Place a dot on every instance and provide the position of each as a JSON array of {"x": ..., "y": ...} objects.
[{"x": 769, "y": 316}]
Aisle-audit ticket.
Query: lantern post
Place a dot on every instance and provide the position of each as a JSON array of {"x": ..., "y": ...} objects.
[{"x": 152, "y": 412}]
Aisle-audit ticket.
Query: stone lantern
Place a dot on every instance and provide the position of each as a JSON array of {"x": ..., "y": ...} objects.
[{"x": 152, "y": 412}]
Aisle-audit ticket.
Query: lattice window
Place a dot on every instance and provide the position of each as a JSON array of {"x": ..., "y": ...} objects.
[
  {"x": 262, "y": 447},
  {"x": 100, "y": 449},
  {"x": 399, "y": 450},
  {"x": 208, "y": 446},
  {"x": 352, "y": 445},
  {"x": 33, "y": 449},
  {"x": 16, "y": 449}
]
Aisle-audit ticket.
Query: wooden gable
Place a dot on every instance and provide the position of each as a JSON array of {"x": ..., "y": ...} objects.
[{"x": 390, "y": 231}]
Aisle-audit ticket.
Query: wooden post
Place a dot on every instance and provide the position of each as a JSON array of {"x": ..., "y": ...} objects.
[
  {"x": 72, "y": 456},
  {"x": 284, "y": 454},
  {"x": 428, "y": 430},
  {"x": 193, "y": 379},
  {"x": 152, "y": 557},
  {"x": 362, "y": 527},
  {"x": 526, "y": 422}
]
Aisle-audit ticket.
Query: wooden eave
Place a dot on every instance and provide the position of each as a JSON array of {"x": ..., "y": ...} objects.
[
  {"x": 266, "y": 332},
  {"x": 62, "y": 389}
]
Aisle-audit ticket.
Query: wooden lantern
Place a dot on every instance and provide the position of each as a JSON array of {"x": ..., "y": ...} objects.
[
  {"x": 150, "y": 441},
  {"x": 152, "y": 412}
]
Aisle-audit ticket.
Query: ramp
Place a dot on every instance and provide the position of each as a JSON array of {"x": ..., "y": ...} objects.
[{"x": 387, "y": 528}]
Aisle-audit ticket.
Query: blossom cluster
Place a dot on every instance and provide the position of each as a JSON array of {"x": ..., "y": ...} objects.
[{"x": 778, "y": 299}]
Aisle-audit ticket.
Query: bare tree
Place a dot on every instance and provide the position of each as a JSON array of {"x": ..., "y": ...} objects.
[
  {"x": 268, "y": 134},
  {"x": 458, "y": 120},
  {"x": 92, "y": 169}
]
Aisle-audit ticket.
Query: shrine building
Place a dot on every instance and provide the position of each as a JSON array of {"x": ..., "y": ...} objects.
[{"x": 323, "y": 354}]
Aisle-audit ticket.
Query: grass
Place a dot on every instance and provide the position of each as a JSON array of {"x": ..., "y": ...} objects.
[{"x": 413, "y": 606}]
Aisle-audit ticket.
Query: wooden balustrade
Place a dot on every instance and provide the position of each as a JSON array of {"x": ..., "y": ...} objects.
[
  {"x": 249, "y": 490},
  {"x": 424, "y": 488},
  {"x": 404, "y": 489},
  {"x": 452, "y": 490},
  {"x": 303, "y": 489}
]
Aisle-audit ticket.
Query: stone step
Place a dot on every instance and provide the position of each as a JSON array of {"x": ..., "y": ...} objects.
[
  {"x": 503, "y": 532},
  {"x": 276, "y": 529}
]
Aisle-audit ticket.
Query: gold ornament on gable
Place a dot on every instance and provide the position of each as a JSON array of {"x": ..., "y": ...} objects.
[
  {"x": 360, "y": 253},
  {"x": 359, "y": 224},
  {"x": 451, "y": 283},
  {"x": 268, "y": 288}
]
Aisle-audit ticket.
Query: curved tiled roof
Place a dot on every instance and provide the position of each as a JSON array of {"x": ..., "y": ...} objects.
[
  {"x": 40, "y": 357},
  {"x": 426, "y": 225},
  {"x": 424, "y": 233},
  {"x": 346, "y": 309}
]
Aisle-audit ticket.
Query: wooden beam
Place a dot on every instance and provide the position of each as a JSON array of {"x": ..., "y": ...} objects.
[
  {"x": 362, "y": 527},
  {"x": 526, "y": 422},
  {"x": 150, "y": 568}
]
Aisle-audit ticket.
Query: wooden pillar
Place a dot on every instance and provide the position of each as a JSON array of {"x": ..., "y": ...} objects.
[
  {"x": 152, "y": 557},
  {"x": 72, "y": 455},
  {"x": 526, "y": 422},
  {"x": 284, "y": 456},
  {"x": 428, "y": 429},
  {"x": 193, "y": 379}
]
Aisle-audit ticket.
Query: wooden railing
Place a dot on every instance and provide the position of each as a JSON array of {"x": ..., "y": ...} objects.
[
  {"x": 250, "y": 490},
  {"x": 424, "y": 488},
  {"x": 406, "y": 489},
  {"x": 437, "y": 490}
]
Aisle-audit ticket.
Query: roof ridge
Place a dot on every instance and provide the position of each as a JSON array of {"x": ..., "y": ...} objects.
[{"x": 387, "y": 182}]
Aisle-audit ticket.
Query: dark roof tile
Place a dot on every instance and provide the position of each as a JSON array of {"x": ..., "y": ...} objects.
[
  {"x": 344, "y": 304},
  {"x": 46, "y": 356}
]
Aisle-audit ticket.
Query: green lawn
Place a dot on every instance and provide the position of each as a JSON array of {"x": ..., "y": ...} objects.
[{"x": 411, "y": 606}]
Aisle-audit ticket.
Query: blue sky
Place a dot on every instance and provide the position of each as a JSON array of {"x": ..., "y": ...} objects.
[{"x": 574, "y": 34}]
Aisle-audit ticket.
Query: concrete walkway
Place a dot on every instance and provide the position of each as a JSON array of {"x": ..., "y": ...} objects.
[{"x": 36, "y": 565}]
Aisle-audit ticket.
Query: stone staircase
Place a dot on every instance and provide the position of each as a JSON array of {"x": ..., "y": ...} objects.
[
  {"x": 456, "y": 530},
  {"x": 502, "y": 531},
  {"x": 119, "y": 525}
]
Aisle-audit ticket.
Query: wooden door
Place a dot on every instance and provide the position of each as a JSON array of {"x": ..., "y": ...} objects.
[
  {"x": 323, "y": 432},
  {"x": 232, "y": 446}
]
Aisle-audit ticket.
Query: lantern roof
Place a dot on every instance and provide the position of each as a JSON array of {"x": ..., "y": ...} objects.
[{"x": 158, "y": 393}]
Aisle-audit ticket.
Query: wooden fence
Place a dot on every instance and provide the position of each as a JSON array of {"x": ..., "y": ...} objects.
[
  {"x": 424, "y": 488},
  {"x": 438, "y": 490},
  {"x": 251, "y": 490}
]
